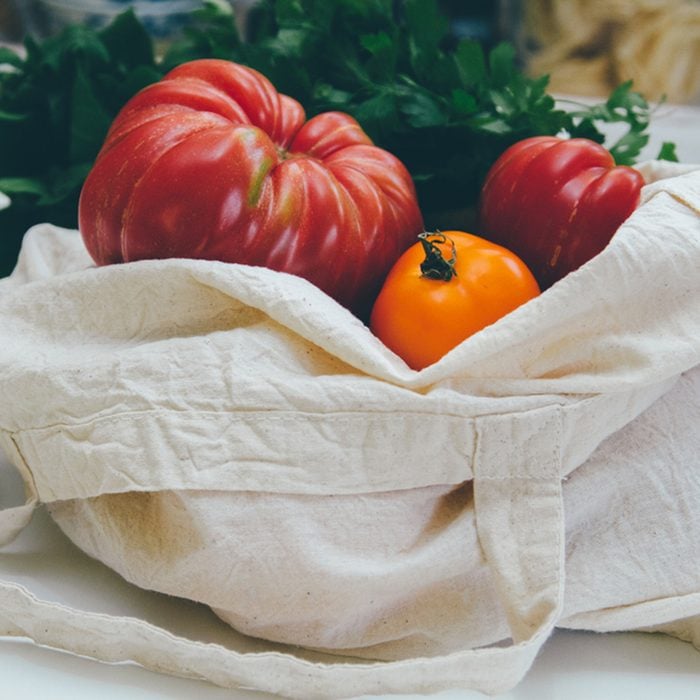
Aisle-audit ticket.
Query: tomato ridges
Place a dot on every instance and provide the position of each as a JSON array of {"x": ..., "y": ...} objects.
[
  {"x": 214, "y": 163},
  {"x": 556, "y": 202}
]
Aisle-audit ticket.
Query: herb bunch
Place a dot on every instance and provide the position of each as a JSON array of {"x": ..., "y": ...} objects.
[
  {"x": 56, "y": 104},
  {"x": 446, "y": 108}
]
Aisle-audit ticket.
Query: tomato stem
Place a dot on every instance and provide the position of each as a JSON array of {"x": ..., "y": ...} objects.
[{"x": 435, "y": 267}]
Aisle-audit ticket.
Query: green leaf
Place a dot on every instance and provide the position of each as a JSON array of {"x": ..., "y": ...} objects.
[
  {"x": 74, "y": 42},
  {"x": 12, "y": 116},
  {"x": 331, "y": 98},
  {"x": 502, "y": 64},
  {"x": 471, "y": 64},
  {"x": 537, "y": 89},
  {"x": 626, "y": 149},
  {"x": 379, "y": 44},
  {"x": 23, "y": 185},
  {"x": 623, "y": 97},
  {"x": 291, "y": 42},
  {"x": 289, "y": 12},
  {"x": 585, "y": 128},
  {"x": 127, "y": 41},
  {"x": 426, "y": 27},
  {"x": 422, "y": 110},
  {"x": 383, "y": 50},
  {"x": 668, "y": 152},
  {"x": 426, "y": 24},
  {"x": 494, "y": 126},
  {"x": 462, "y": 102},
  {"x": 211, "y": 33},
  {"x": 503, "y": 102},
  {"x": 89, "y": 121},
  {"x": 65, "y": 182},
  {"x": 625, "y": 105},
  {"x": 378, "y": 114},
  {"x": 114, "y": 89}
]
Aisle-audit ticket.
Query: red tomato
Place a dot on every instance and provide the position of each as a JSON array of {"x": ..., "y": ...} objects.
[
  {"x": 211, "y": 162},
  {"x": 556, "y": 202},
  {"x": 444, "y": 289}
]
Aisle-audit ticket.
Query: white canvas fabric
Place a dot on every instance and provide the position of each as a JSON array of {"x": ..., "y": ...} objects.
[{"x": 231, "y": 435}]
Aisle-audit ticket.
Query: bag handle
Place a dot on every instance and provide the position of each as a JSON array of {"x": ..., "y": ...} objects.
[{"x": 519, "y": 516}]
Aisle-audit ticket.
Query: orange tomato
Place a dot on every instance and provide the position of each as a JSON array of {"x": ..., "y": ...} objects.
[{"x": 445, "y": 288}]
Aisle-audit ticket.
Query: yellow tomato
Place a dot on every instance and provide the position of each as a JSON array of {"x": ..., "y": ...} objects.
[{"x": 443, "y": 289}]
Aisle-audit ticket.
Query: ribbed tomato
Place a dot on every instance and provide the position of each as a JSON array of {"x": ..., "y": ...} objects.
[
  {"x": 556, "y": 202},
  {"x": 445, "y": 288},
  {"x": 212, "y": 162}
]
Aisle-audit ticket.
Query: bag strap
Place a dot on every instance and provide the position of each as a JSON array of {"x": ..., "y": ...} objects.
[
  {"x": 519, "y": 518},
  {"x": 519, "y": 514}
]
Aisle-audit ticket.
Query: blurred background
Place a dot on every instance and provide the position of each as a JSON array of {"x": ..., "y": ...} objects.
[
  {"x": 586, "y": 46},
  {"x": 164, "y": 19},
  {"x": 589, "y": 47}
]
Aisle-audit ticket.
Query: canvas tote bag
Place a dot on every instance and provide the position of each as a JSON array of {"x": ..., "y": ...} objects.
[{"x": 230, "y": 435}]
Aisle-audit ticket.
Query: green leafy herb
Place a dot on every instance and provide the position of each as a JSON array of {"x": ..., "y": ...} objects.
[
  {"x": 56, "y": 104},
  {"x": 446, "y": 108}
]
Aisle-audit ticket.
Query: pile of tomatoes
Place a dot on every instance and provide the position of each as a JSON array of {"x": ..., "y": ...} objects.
[
  {"x": 548, "y": 205},
  {"x": 212, "y": 162}
]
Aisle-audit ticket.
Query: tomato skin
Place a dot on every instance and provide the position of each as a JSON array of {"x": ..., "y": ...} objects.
[
  {"x": 211, "y": 162},
  {"x": 556, "y": 203},
  {"x": 421, "y": 319}
]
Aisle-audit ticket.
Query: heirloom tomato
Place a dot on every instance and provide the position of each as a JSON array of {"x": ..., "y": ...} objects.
[
  {"x": 556, "y": 202},
  {"x": 445, "y": 288},
  {"x": 212, "y": 162}
]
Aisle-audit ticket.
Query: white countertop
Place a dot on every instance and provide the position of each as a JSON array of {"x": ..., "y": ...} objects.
[{"x": 572, "y": 665}]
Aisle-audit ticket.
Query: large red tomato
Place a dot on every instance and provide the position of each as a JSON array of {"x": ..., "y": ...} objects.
[
  {"x": 556, "y": 202},
  {"x": 212, "y": 162}
]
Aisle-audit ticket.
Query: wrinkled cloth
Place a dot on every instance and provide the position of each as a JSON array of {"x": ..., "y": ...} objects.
[{"x": 231, "y": 435}]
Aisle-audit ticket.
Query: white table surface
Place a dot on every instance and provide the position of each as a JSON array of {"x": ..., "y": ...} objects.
[{"x": 572, "y": 665}]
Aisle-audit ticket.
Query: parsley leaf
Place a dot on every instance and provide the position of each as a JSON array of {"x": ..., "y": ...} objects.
[
  {"x": 56, "y": 104},
  {"x": 668, "y": 152}
]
